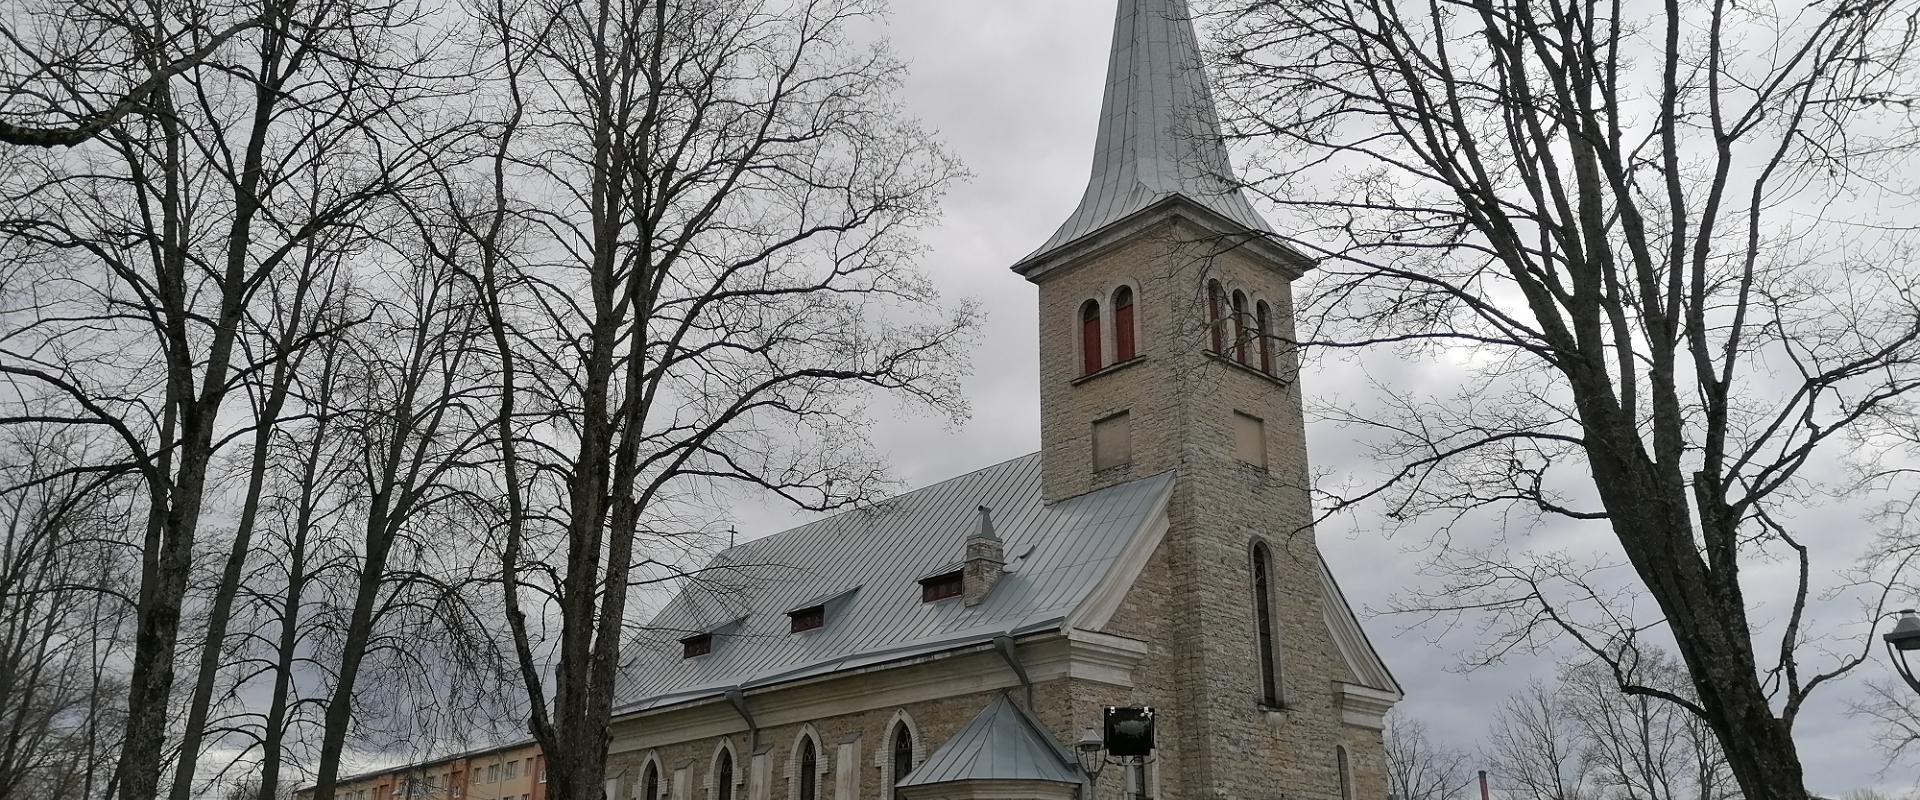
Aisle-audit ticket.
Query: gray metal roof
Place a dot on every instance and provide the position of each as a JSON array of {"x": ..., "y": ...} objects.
[
  {"x": 1056, "y": 555},
  {"x": 1004, "y": 743},
  {"x": 1159, "y": 130}
]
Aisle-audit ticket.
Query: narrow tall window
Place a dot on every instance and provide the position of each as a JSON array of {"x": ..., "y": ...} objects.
[
  {"x": 902, "y": 755},
  {"x": 1240, "y": 338},
  {"x": 1346, "y": 771},
  {"x": 723, "y": 776},
  {"x": 809, "y": 776},
  {"x": 1263, "y": 330},
  {"x": 1263, "y": 617},
  {"x": 650, "y": 784},
  {"x": 1216, "y": 326},
  {"x": 1090, "y": 337},
  {"x": 1123, "y": 348}
]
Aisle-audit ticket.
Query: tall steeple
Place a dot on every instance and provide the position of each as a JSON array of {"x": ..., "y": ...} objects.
[{"x": 1159, "y": 131}]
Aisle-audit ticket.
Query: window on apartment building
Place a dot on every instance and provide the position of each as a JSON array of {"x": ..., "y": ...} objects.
[
  {"x": 1263, "y": 620},
  {"x": 513, "y": 769},
  {"x": 1250, "y": 439},
  {"x": 1112, "y": 442},
  {"x": 808, "y": 618},
  {"x": 941, "y": 587},
  {"x": 543, "y": 772},
  {"x": 493, "y": 773}
]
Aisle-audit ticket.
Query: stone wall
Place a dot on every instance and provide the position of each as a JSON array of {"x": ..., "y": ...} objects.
[{"x": 1194, "y": 604}]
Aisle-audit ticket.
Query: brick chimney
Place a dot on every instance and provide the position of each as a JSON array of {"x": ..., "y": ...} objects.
[{"x": 986, "y": 556}]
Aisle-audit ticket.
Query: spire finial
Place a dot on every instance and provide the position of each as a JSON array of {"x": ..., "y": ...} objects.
[{"x": 1159, "y": 131}]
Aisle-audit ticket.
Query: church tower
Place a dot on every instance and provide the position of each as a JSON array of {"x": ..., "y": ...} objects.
[{"x": 1166, "y": 323}]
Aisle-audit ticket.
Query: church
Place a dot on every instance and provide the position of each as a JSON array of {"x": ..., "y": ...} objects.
[{"x": 961, "y": 640}]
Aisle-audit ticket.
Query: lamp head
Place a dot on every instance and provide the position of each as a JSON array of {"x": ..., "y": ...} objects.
[
  {"x": 1091, "y": 751},
  {"x": 1906, "y": 631}
]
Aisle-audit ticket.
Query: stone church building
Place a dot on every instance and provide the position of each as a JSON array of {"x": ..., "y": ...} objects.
[{"x": 956, "y": 641}]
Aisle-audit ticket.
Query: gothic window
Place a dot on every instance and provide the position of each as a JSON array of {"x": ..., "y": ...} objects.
[
  {"x": 902, "y": 758},
  {"x": 650, "y": 783},
  {"x": 1263, "y": 330},
  {"x": 1346, "y": 771},
  {"x": 1263, "y": 619},
  {"x": 1240, "y": 338},
  {"x": 1090, "y": 337},
  {"x": 1216, "y": 326},
  {"x": 723, "y": 775},
  {"x": 1123, "y": 345},
  {"x": 808, "y": 767}
]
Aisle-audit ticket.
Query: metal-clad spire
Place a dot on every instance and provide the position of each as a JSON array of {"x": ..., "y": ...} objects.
[{"x": 1159, "y": 131}]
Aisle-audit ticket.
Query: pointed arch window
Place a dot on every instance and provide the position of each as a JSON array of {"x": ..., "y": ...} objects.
[
  {"x": 723, "y": 775},
  {"x": 1263, "y": 331},
  {"x": 1090, "y": 337},
  {"x": 650, "y": 783},
  {"x": 902, "y": 758},
  {"x": 1263, "y": 619},
  {"x": 1123, "y": 344},
  {"x": 808, "y": 765},
  {"x": 1240, "y": 339},
  {"x": 1216, "y": 324},
  {"x": 1346, "y": 771}
]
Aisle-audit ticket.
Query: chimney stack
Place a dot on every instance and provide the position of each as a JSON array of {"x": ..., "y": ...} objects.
[{"x": 986, "y": 557}]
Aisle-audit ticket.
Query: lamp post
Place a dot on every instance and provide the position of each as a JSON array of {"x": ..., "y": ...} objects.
[
  {"x": 1127, "y": 741},
  {"x": 1903, "y": 639}
]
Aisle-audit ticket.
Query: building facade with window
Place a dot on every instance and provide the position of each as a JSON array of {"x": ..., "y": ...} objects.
[
  {"x": 955, "y": 641},
  {"x": 511, "y": 772}
]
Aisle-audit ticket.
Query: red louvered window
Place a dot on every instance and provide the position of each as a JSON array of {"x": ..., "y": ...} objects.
[
  {"x": 1090, "y": 337},
  {"x": 1215, "y": 324},
  {"x": 941, "y": 587},
  {"x": 1123, "y": 324},
  {"x": 1261, "y": 322}
]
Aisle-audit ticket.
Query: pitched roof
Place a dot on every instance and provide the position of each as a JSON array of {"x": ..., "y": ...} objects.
[
  {"x": 869, "y": 562},
  {"x": 1364, "y": 665},
  {"x": 1002, "y": 743},
  {"x": 1159, "y": 130}
]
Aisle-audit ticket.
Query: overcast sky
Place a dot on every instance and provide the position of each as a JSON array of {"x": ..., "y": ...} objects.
[{"x": 1014, "y": 88}]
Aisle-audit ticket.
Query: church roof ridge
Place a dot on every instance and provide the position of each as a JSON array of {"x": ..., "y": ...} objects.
[{"x": 1159, "y": 134}]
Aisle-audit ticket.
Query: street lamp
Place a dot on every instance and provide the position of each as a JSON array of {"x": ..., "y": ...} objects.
[
  {"x": 1127, "y": 740},
  {"x": 1904, "y": 638}
]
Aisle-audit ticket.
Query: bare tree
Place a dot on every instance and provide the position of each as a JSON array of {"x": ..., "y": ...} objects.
[
  {"x": 1419, "y": 769},
  {"x": 699, "y": 266},
  {"x": 1645, "y": 236},
  {"x": 149, "y": 248},
  {"x": 1535, "y": 748},
  {"x": 62, "y": 609}
]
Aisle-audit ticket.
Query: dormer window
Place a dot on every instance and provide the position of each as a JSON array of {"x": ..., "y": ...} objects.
[
  {"x": 694, "y": 646},
  {"x": 941, "y": 587},
  {"x": 809, "y": 618}
]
